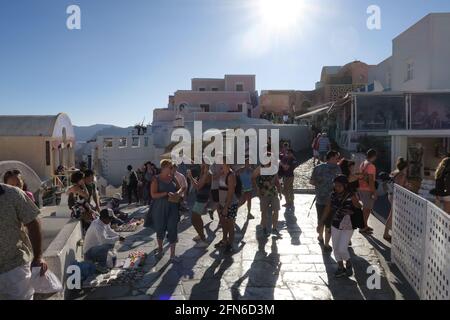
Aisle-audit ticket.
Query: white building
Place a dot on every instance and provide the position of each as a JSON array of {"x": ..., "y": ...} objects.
[
  {"x": 411, "y": 116},
  {"x": 112, "y": 154},
  {"x": 420, "y": 57}
]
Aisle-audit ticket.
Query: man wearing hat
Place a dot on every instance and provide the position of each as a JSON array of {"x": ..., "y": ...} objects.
[{"x": 100, "y": 239}]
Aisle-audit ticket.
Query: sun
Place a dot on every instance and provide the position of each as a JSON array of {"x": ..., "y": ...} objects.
[{"x": 280, "y": 15}]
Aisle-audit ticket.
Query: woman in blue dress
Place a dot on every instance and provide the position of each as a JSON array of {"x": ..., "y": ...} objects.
[{"x": 166, "y": 195}]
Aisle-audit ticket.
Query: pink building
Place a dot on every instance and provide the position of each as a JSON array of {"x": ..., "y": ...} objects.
[{"x": 232, "y": 94}]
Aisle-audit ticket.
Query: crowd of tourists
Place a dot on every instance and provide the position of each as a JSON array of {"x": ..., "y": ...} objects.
[{"x": 345, "y": 197}]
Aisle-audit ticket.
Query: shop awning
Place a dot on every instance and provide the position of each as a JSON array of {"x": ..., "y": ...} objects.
[{"x": 313, "y": 113}]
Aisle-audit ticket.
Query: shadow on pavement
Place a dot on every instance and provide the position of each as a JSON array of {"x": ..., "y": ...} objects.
[{"x": 262, "y": 276}]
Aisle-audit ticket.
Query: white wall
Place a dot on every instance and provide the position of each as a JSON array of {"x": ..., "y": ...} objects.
[
  {"x": 113, "y": 161},
  {"x": 427, "y": 45},
  {"x": 440, "y": 39}
]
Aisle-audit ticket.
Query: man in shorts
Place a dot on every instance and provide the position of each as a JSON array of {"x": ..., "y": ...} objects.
[{"x": 322, "y": 178}]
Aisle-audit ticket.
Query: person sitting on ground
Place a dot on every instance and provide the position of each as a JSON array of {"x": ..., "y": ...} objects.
[
  {"x": 14, "y": 178},
  {"x": 343, "y": 209},
  {"x": 19, "y": 250},
  {"x": 100, "y": 240},
  {"x": 203, "y": 187},
  {"x": 114, "y": 204}
]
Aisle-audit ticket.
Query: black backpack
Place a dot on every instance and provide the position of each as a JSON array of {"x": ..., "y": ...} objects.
[
  {"x": 133, "y": 178},
  {"x": 443, "y": 184},
  {"x": 238, "y": 189}
]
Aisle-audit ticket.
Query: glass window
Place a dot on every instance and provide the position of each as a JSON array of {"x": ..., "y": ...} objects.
[
  {"x": 381, "y": 113},
  {"x": 122, "y": 142},
  {"x": 239, "y": 87},
  {"x": 214, "y": 89},
  {"x": 430, "y": 111},
  {"x": 409, "y": 71},
  {"x": 135, "y": 142},
  {"x": 240, "y": 108},
  {"x": 107, "y": 143},
  {"x": 204, "y": 107},
  {"x": 145, "y": 141},
  {"x": 201, "y": 89}
]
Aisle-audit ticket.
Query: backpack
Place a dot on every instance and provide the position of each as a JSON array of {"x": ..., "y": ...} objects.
[
  {"x": 443, "y": 184},
  {"x": 133, "y": 178},
  {"x": 238, "y": 189}
]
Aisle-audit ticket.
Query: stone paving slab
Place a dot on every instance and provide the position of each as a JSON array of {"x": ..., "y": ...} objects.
[{"x": 288, "y": 268}]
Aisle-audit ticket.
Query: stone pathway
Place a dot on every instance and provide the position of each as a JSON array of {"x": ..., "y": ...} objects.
[
  {"x": 303, "y": 175},
  {"x": 293, "y": 267}
]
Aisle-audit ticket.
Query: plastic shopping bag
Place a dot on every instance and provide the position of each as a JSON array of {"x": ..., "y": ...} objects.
[{"x": 48, "y": 283}]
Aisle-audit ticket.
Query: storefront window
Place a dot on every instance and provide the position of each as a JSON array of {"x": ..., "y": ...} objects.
[
  {"x": 430, "y": 111},
  {"x": 381, "y": 113}
]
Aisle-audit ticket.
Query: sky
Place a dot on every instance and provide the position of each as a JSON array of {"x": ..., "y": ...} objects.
[{"x": 130, "y": 55}]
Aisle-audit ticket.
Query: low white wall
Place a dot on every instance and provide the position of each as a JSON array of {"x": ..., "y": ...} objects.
[{"x": 64, "y": 251}]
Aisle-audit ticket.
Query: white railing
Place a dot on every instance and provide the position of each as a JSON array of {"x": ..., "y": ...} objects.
[{"x": 421, "y": 244}]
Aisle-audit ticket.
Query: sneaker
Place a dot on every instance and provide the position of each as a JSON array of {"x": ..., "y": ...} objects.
[
  {"x": 340, "y": 273},
  {"x": 196, "y": 238},
  {"x": 202, "y": 244},
  {"x": 349, "y": 270}
]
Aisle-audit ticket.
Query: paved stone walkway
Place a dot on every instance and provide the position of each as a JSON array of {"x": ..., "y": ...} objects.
[{"x": 293, "y": 267}]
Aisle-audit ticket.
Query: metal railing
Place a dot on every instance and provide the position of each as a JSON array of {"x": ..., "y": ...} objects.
[{"x": 421, "y": 244}]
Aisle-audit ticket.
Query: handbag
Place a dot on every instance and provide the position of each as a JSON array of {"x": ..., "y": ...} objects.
[{"x": 356, "y": 219}]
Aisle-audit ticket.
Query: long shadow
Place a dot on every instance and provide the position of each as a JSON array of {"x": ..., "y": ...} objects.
[
  {"x": 401, "y": 284},
  {"x": 178, "y": 271},
  {"x": 292, "y": 227},
  {"x": 359, "y": 287},
  {"x": 209, "y": 286},
  {"x": 262, "y": 275}
]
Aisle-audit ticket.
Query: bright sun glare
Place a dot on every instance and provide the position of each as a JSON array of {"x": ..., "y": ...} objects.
[{"x": 280, "y": 15}]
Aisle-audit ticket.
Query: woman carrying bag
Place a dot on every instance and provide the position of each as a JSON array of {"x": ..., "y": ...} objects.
[
  {"x": 163, "y": 215},
  {"x": 347, "y": 216}
]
